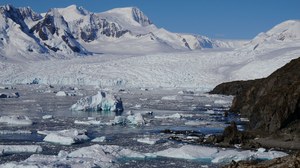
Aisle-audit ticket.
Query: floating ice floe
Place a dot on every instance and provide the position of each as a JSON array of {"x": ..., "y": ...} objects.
[
  {"x": 136, "y": 119},
  {"x": 150, "y": 141},
  {"x": 210, "y": 112},
  {"x": 92, "y": 156},
  {"x": 15, "y": 149},
  {"x": 224, "y": 103},
  {"x": 244, "y": 119},
  {"x": 65, "y": 137},
  {"x": 118, "y": 120},
  {"x": 138, "y": 106},
  {"x": 89, "y": 122},
  {"x": 217, "y": 155},
  {"x": 45, "y": 117},
  {"x": 100, "y": 102},
  {"x": 177, "y": 115},
  {"x": 174, "y": 97},
  {"x": 16, "y": 120},
  {"x": 61, "y": 93},
  {"x": 108, "y": 156},
  {"x": 99, "y": 139},
  {"x": 186, "y": 92},
  {"x": 5, "y": 132}
]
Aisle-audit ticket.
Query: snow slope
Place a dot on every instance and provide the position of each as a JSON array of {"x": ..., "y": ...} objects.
[{"x": 201, "y": 69}]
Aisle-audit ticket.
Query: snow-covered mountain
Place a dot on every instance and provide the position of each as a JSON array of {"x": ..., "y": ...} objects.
[
  {"x": 75, "y": 31},
  {"x": 53, "y": 31},
  {"x": 15, "y": 36},
  {"x": 285, "y": 33}
]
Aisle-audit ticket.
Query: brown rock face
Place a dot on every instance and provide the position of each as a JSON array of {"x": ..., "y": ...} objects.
[
  {"x": 290, "y": 161},
  {"x": 271, "y": 103}
]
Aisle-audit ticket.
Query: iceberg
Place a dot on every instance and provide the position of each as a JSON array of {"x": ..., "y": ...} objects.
[
  {"x": 99, "y": 102},
  {"x": 65, "y": 137}
]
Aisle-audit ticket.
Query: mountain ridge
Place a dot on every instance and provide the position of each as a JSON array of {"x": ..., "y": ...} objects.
[{"x": 68, "y": 32}]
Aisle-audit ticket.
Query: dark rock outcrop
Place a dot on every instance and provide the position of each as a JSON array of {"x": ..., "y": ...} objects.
[
  {"x": 271, "y": 103},
  {"x": 291, "y": 161},
  {"x": 233, "y": 88}
]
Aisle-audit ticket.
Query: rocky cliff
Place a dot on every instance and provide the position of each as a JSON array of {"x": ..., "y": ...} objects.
[{"x": 271, "y": 103}]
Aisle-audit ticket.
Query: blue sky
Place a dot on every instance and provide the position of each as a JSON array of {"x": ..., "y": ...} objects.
[{"x": 231, "y": 19}]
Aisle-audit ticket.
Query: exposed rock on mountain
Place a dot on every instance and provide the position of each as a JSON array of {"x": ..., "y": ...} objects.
[
  {"x": 54, "y": 32},
  {"x": 14, "y": 31}
]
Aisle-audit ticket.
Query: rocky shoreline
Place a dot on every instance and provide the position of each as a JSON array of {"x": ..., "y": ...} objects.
[{"x": 272, "y": 106}]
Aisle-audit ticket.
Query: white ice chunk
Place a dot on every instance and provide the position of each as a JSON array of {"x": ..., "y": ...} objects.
[
  {"x": 45, "y": 117},
  {"x": 136, "y": 119},
  {"x": 118, "y": 120},
  {"x": 188, "y": 152},
  {"x": 88, "y": 122},
  {"x": 185, "y": 92},
  {"x": 244, "y": 119},
  {"x": 61, "y": 93},
  {"x": 65, "y": 137},
  {"x": 210, "y": 112},
  {"x": 4, "y": 132},
  {"x": 223, "y": 103},
  {"x": 14, "y": 149},
  {"x": 261, "y": 150},
  {"x": 105, "y": 153},
  {"x": 177, "y": 115},
  {"x": 101, "y": 101},
  {"x": 173, "y": 97},
  {"x": 150, "y": 141},
  {"x": 216, "y": 155},
  {"x": 99, "y": 139},
  {"x": 16, "y": 120}
]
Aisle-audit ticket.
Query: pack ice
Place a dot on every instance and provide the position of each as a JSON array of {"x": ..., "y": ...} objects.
[
  {"x": 217, "y": 155},
  {"x": 91, "y": 156},
  {"x": 99, "y": 102}
]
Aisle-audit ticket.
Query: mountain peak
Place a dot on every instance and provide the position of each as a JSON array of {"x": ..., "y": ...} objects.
[
  {"x": 286, "y": 30},
  {"x": 72, "y": 12},
  {"x": 132, "y": 13}
]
